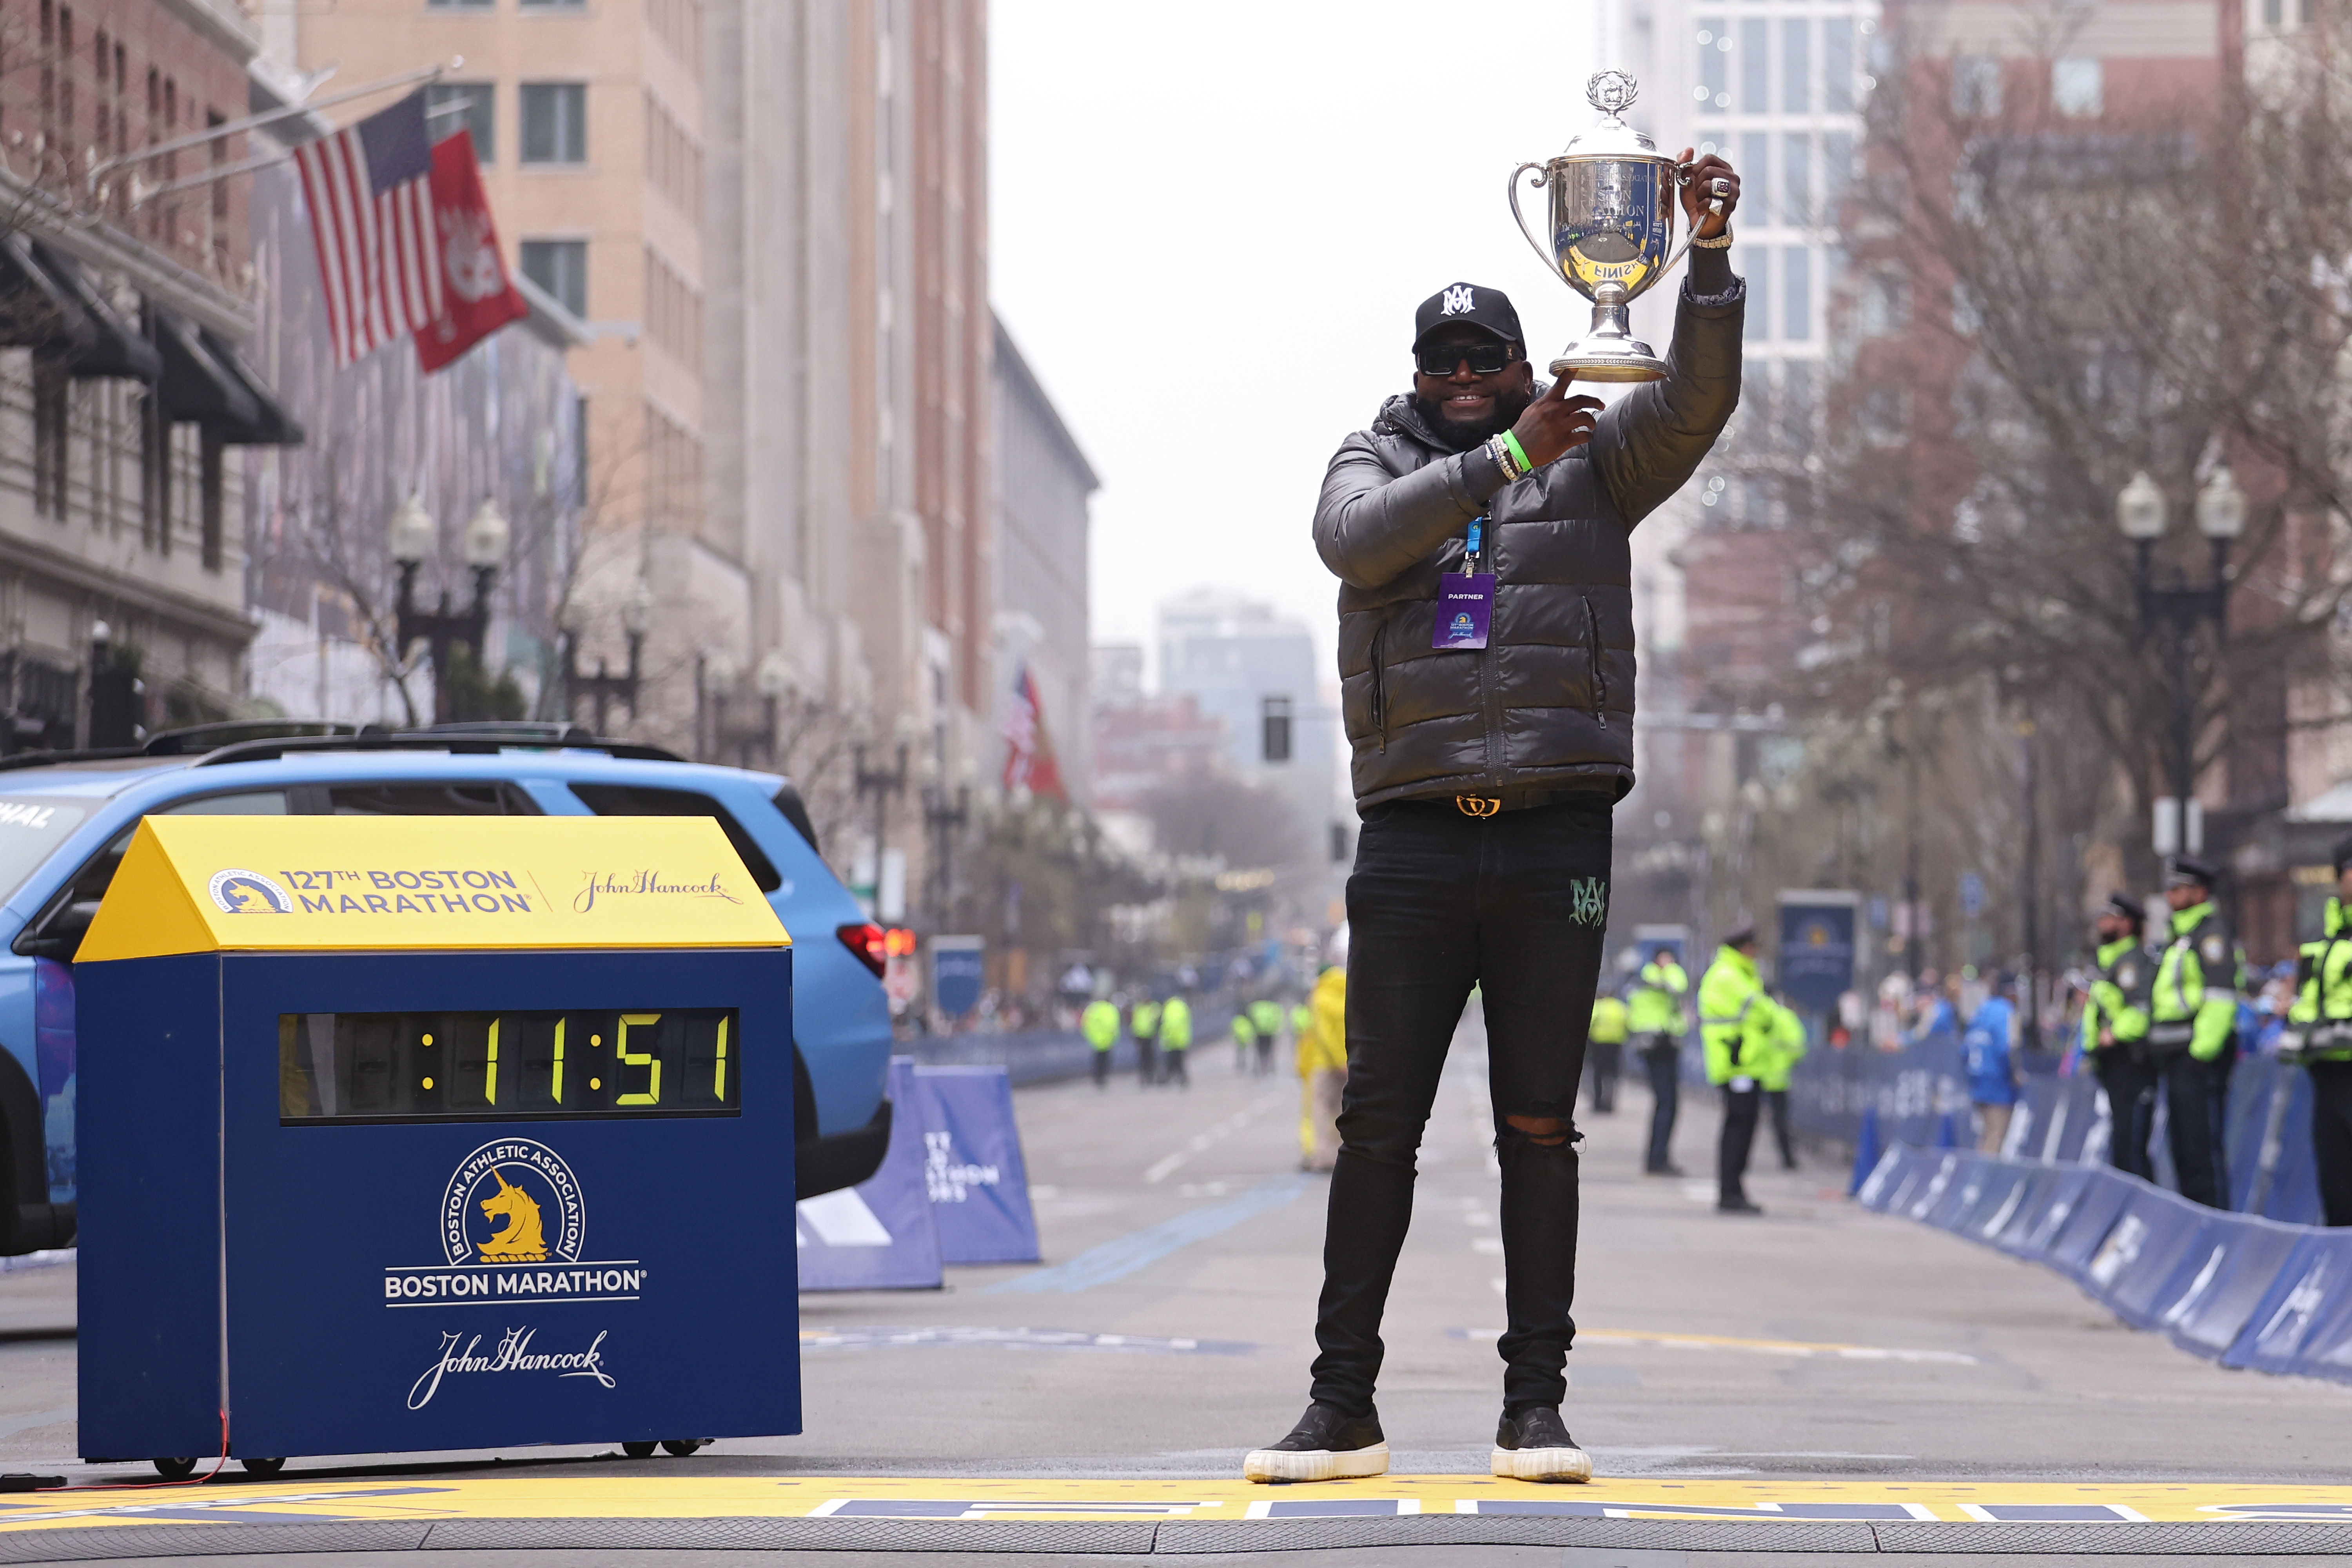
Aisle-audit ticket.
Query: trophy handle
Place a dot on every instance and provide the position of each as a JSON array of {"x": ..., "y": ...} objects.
[
  {"x": 1714, "y": 204},
  {"x": 1543, "y": 173}
]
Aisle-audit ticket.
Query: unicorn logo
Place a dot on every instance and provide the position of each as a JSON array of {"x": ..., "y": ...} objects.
[
  {"x": 513, "y": 1200},
  {"x": 521, "y": 1240},
  {"x": 241, "y": 892}
]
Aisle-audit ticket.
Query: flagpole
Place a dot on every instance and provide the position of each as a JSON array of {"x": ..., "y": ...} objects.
[
  {"x": 202, "y": 138},
  {"x": 191, "y": 182}
]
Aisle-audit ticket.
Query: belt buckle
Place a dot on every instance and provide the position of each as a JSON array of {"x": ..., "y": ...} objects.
[{"x": 1478, "y": 804}]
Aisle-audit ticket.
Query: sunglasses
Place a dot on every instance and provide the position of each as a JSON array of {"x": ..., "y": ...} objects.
[{"x": 1484, "y": 359}]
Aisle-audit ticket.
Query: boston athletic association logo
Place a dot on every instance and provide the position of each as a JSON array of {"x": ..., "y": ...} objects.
[
  {"x": 239, "y": 892},
  {"x": 513, "y": 1200}
]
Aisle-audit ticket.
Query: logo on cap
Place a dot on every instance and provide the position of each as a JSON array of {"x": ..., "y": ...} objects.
[{"x": 1457, "y": 301}]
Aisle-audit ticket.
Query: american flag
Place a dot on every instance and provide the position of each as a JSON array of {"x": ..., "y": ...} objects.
[{"x": 370, "y": 190}]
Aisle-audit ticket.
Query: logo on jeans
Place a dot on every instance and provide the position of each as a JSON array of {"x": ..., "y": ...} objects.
[{"x": 1592, "y": 900}]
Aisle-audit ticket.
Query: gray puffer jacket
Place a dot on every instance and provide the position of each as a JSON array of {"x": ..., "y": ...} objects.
[{"x": 1549, "y": 704}]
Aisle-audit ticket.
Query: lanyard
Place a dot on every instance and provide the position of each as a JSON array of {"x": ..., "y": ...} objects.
[{"x": 1470, "y": 554}]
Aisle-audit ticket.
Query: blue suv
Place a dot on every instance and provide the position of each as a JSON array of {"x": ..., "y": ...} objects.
[{"x": 66, "y": 818}]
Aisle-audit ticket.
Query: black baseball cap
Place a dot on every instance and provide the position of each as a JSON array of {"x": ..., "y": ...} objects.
[
  {"x": 2188, "y": 871},
  {"x": 1461, "y": 304}
]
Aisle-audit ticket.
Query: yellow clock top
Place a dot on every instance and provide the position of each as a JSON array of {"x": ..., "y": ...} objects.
[{"x": 204, "y": 884}]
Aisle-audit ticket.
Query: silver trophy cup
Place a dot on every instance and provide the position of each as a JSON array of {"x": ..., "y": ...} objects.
[{"x": 1615, "y": 199}]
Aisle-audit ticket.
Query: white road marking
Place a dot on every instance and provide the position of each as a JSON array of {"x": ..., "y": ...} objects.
[{"x": 1167, "y": 1165}]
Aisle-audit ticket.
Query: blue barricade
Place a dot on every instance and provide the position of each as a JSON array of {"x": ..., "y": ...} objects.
[
  {"x": 2153, "y": 1232},
  {"x": 2215, "y": 1292},
  {"x": 2053, "y": 1203},
  {"x": 1911, "y": 1090},
  {"x": 2311, "y": 1291},
  {"x": 972, "y": 1168},
  {"x": 879, "y": 1235},
  {"x": 2087, "y": 1222},
  {"x": 2001, "y": 1186}
]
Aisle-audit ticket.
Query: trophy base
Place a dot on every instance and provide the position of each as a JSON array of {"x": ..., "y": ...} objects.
[{"x": 1606, "y": 359}]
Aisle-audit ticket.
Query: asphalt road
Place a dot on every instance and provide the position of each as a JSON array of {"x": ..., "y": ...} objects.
[{"x": 1170, "y": 1328}]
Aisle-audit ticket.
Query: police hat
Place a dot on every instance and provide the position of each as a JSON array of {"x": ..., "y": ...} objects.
[
  {"x": 2126, "y": 906},
  {"x": 2343, "y": 855},
  {"x": 2188, "y": 871},
  {"x": 1742, "y": 935}
]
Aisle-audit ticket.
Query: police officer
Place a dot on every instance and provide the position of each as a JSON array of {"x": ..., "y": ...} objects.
[
  {"x": 1737, "y": 1024},
  {"x": 1099, "y": 1024},
  {"x": 2320, "y": 1035},
  {"x": 2193, "y": 1023},
  {"x": 1144, "y": 1025},
  {"x": 1772, "y": 1075},
  {"x": 1604, "y": 1052},
  {"x": 1175, "y": 1040},
  {"x": 1654, "y": 1014},
  {"x": 1265, "y": 1017},
  {"x": 2115, "y": 1033}
]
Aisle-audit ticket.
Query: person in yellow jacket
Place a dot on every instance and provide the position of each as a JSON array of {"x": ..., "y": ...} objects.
[
  {"x": 1265, "y": 1017},
  {"x": 2192, "y": 1031},
  {"x": 1175, "y": 1040},
  {"x": 1773, "y": 1076},
  {"x": 1323, "y": 1070},
  {"x": 1737, "y": 1024},
  {"x": 1604, "y": 1052},
  {"x": 1099, "y": 1024},
  {"x": 2319, "y": 1035},
  {"x": 1143, "y": 1022},
  {"x": 1657, "y": 1016}
]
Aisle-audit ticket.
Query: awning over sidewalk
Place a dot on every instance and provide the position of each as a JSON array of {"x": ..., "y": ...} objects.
[
  {"x": 118, "y": 349},
  {"x": 205, "y": 383},
  {"x": 48, "y": 306}
]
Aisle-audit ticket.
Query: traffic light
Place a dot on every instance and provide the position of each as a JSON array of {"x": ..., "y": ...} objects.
[{"x": 1275, "y": 725}]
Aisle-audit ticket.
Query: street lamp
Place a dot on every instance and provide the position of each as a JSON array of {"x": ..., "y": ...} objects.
[
  {"x": 883, "y": 785},
  {"x": 2142, "y": 512},
  {"x": 637, "y": 617},
  {"x": 411, "y": 536}
]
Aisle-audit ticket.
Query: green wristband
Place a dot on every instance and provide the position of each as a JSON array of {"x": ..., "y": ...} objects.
[{"x": 1517, "y": 451}]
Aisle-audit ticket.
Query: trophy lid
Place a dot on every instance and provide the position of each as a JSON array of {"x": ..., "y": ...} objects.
[{"x": 1612, "y": 92}]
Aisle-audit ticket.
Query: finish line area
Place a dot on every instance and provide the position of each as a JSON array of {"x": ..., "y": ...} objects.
[{"x": 1132, "y": 1517}]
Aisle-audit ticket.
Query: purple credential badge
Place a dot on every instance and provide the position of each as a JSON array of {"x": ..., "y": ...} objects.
[{"x": 1465, "y": 606}]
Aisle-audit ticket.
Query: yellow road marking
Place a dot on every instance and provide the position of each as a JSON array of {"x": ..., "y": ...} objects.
[
  {"x": 1772, "y": 1347},
  {"x": 740, "y": 1497}
]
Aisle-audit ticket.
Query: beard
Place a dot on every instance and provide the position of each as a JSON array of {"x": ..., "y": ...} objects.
[{"x": 1461, "y": 435}]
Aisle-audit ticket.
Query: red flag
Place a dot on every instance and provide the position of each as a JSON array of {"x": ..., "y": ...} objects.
[{"x": 477, "y": 298}]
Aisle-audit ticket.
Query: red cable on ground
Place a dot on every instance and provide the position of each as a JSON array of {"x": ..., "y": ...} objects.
[{"x": 218, "y": 1466}]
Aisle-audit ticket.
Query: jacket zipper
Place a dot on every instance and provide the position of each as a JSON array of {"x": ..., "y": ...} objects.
[
  {"x": 1380, "y": 692},
  {"x": 1600, "y": 677}
]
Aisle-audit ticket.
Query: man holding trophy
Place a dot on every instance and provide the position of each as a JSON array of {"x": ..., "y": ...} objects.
[{"x": 1479, "y": 529}]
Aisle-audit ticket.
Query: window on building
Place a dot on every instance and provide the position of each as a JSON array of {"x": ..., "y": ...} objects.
[
  {"x": 1976, "y": 85},
  {"x": 1795, "y": 293},
  {"x": 1797, "y": 180},
  {"x": 1837, "y": 170},
  {"x": 1754, "y": 178},
  {"x": 2078, "y": 87},
  {"x": 1796, "y": 405},
  {"x": 561, "y": 268},
  {"x": 553, "y": 5},
  {"x": 50, "y": 447},
  {"x": 459, "y": 5},
  {"x": 1797, "y": 66},
  {"x": 1714, "y": 89},
  {"x": 1885, "y": 303},
  {"x": 154, "y": 475},
  {"x": 211, "y": 484},
  {"x": 1755, "y": 66},
  {"x": 1837, "y": 64},
  {"x": 465, "y": 106},
  {"x": 554, "y": 122},
  {"x": 1968, "y": 318},
  {"x": 1759, "y": 296}
]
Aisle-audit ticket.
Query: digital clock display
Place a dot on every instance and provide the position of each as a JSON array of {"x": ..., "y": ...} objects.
[{"x": 498, "y": 1066}]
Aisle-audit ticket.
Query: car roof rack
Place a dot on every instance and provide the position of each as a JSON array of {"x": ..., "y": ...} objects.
[
  {"x": 186, "y": 741},
  {"x": 460, "y": 740}
]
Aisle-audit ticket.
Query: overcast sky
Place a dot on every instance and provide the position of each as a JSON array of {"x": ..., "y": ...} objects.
[{"x": 1210, "y": 225}]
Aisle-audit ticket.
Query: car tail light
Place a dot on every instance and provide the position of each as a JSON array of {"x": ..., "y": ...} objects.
[{"x": 869, "y": 942}]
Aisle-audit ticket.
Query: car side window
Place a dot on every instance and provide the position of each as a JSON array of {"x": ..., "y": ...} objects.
[
  {"x": 643, "y": 800},
  {"x": 57, "y": 931},
  {"x": 426, "y": 798}
]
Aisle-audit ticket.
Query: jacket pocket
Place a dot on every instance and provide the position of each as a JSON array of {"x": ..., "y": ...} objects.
[
  {"x": 1379, "y": 691},
  {"x": 1600, "y": 672}
]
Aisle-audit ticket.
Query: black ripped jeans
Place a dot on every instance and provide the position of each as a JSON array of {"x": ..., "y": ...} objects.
[{"x": 1516, "y": 904}]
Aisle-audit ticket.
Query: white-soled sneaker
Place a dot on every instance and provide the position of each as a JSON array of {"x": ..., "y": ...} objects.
[
  {"x": 1327, "y": 1445},
  {"x": 1535, "y": 1446}
]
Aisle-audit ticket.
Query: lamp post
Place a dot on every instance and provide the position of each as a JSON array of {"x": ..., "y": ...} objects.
[
  {"x": 883, "y": 785},
  {"x": 772, "y": 680},
  {"x": 943, "y": 821},
  {"x": 412, "y": 536},
  {"x": 637, "y": 615},
  {"x": 2142, "y": 513}
]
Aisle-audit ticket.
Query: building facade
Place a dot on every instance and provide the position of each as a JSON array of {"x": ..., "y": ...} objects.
[{"x": 125, "y": 298}]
